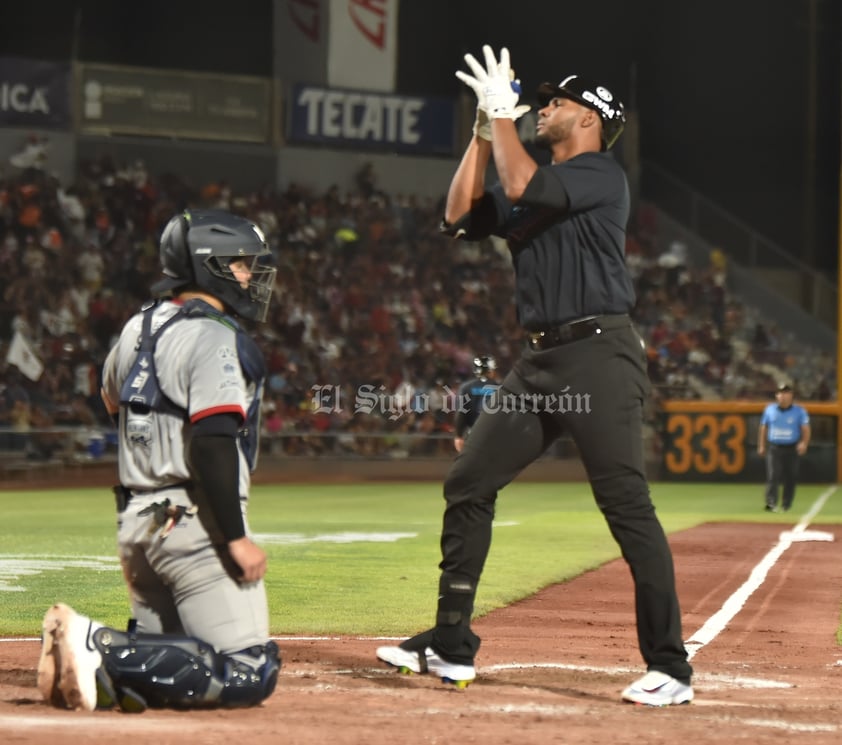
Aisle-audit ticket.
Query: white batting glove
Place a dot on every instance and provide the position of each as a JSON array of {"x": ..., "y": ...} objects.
[
  {"x": 496, "y": 90},
  {"x": 482, "y": 124}
]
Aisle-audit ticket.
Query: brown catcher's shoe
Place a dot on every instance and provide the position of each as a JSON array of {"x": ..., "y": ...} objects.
[
  {"x": 48, "y": 664},
  {"x": 67, "y": 669}
]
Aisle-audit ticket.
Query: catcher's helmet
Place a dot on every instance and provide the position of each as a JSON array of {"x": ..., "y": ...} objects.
[
  {"x": 596, "y": 97},
  {"x": 484, "y": 365},
  {"x": 196, "y": 250}
]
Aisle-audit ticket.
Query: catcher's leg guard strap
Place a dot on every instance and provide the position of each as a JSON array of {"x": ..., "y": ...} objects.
[
  {"x": 453, "y": 638},
  {"x": 456, "y": 600},
  {"x": 183, "y": 672},
  {"x": 246, "y": 685}
]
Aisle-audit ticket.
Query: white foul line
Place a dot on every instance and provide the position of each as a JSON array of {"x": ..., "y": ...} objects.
[{"x": 719, "y": 620}]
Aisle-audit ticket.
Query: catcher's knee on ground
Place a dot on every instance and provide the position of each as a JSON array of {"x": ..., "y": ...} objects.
[{"x": 166, "y": 671}]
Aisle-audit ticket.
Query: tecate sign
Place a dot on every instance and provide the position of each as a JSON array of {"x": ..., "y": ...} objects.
[{"x": 371, "y": 120}]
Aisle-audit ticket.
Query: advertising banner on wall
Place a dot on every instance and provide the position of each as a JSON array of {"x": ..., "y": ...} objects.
[
  {"x": 171, "y": 103},
  {"x": 369, "y": 120},
  {"x": 363, "y": 44},
  {"x": 301, "y": 37},
  {"x": 34, "y": 93}
]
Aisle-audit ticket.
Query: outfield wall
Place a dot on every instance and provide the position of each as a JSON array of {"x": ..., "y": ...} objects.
[
  {"x": 279, "y": 470},
  {"x": 272, "y": 470}
]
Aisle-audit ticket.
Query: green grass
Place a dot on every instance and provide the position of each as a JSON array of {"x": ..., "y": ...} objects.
[{"x": 544, "y": 533}]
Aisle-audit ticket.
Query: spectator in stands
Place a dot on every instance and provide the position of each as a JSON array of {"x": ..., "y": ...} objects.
[
  {"x": 91, "y": 267},
  {"x": 368, "y": 292},
  {"x": 367, "y": 180}
]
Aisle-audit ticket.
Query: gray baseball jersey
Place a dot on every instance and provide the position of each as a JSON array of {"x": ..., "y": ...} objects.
[
  {"x": 198, "y": 370},
  {"x": 179, "y": 581}
]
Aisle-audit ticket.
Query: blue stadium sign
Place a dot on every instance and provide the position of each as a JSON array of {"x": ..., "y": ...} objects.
[
  {"x": 34, "y": 93},
  {"x": 370, "y": 120}
]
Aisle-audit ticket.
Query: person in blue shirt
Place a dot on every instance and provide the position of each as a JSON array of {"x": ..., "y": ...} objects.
[
  {"x": 472, "y": 394},
  {"x": 784, "y": 436}
]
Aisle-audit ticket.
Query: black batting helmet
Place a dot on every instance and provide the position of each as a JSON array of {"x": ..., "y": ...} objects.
[
  {"x": 196, "y": 250},
  {"x": 484, "y": 365},
  {"x": 596, "y": 97}
]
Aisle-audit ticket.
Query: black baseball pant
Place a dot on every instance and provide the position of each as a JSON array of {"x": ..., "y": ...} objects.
[
  {"x": 594, "y": 389},
  {"x": 781, "y": 475}
]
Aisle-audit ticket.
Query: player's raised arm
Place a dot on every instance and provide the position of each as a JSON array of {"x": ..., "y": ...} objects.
[{"x": 468, "y": 183}]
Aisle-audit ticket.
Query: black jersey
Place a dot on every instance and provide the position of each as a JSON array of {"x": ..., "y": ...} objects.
[
  {"x": 472, "y": 393},
  {"x": 567, "y": 238}
]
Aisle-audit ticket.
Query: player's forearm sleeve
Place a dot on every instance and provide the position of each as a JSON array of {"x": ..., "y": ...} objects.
[
  {"x": 216, "y": 465},
  {"x": 479, "y": 223}
]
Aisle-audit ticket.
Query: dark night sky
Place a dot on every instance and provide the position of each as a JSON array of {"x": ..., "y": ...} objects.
[{"x": 721, "y": 87}]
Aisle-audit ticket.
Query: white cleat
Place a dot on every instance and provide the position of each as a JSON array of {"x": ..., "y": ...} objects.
[
  {"x": 658, "y": 689},
  {"x": 427, "y": 662}
]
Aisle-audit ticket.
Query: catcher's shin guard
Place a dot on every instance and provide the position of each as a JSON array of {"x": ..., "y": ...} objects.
[{"x": 168, "y": 671}]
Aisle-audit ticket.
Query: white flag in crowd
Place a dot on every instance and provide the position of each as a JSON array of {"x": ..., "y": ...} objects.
[{"x": 20, "y": 355}]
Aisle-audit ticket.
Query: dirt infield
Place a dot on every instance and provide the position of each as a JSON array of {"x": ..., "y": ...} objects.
[{"x": 550, "y": 669}]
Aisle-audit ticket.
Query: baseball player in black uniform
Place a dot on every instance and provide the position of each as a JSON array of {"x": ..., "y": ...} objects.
[
  {"x": 184, "y": 382},
  {"x": 472, "y": 396},
  {"x": 565, "y": 226}
]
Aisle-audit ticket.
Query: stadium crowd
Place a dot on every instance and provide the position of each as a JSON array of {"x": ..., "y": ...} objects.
[{"x": 376, "y": 319}]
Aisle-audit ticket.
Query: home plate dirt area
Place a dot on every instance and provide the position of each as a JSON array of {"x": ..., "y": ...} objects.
[{"x": 760, "y": 609}]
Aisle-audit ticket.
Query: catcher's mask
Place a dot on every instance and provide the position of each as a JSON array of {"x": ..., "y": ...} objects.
[{"x": 197, "y": 249}]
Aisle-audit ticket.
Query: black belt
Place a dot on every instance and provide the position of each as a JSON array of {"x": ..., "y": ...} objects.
[{"x": 584, "y": 328}]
